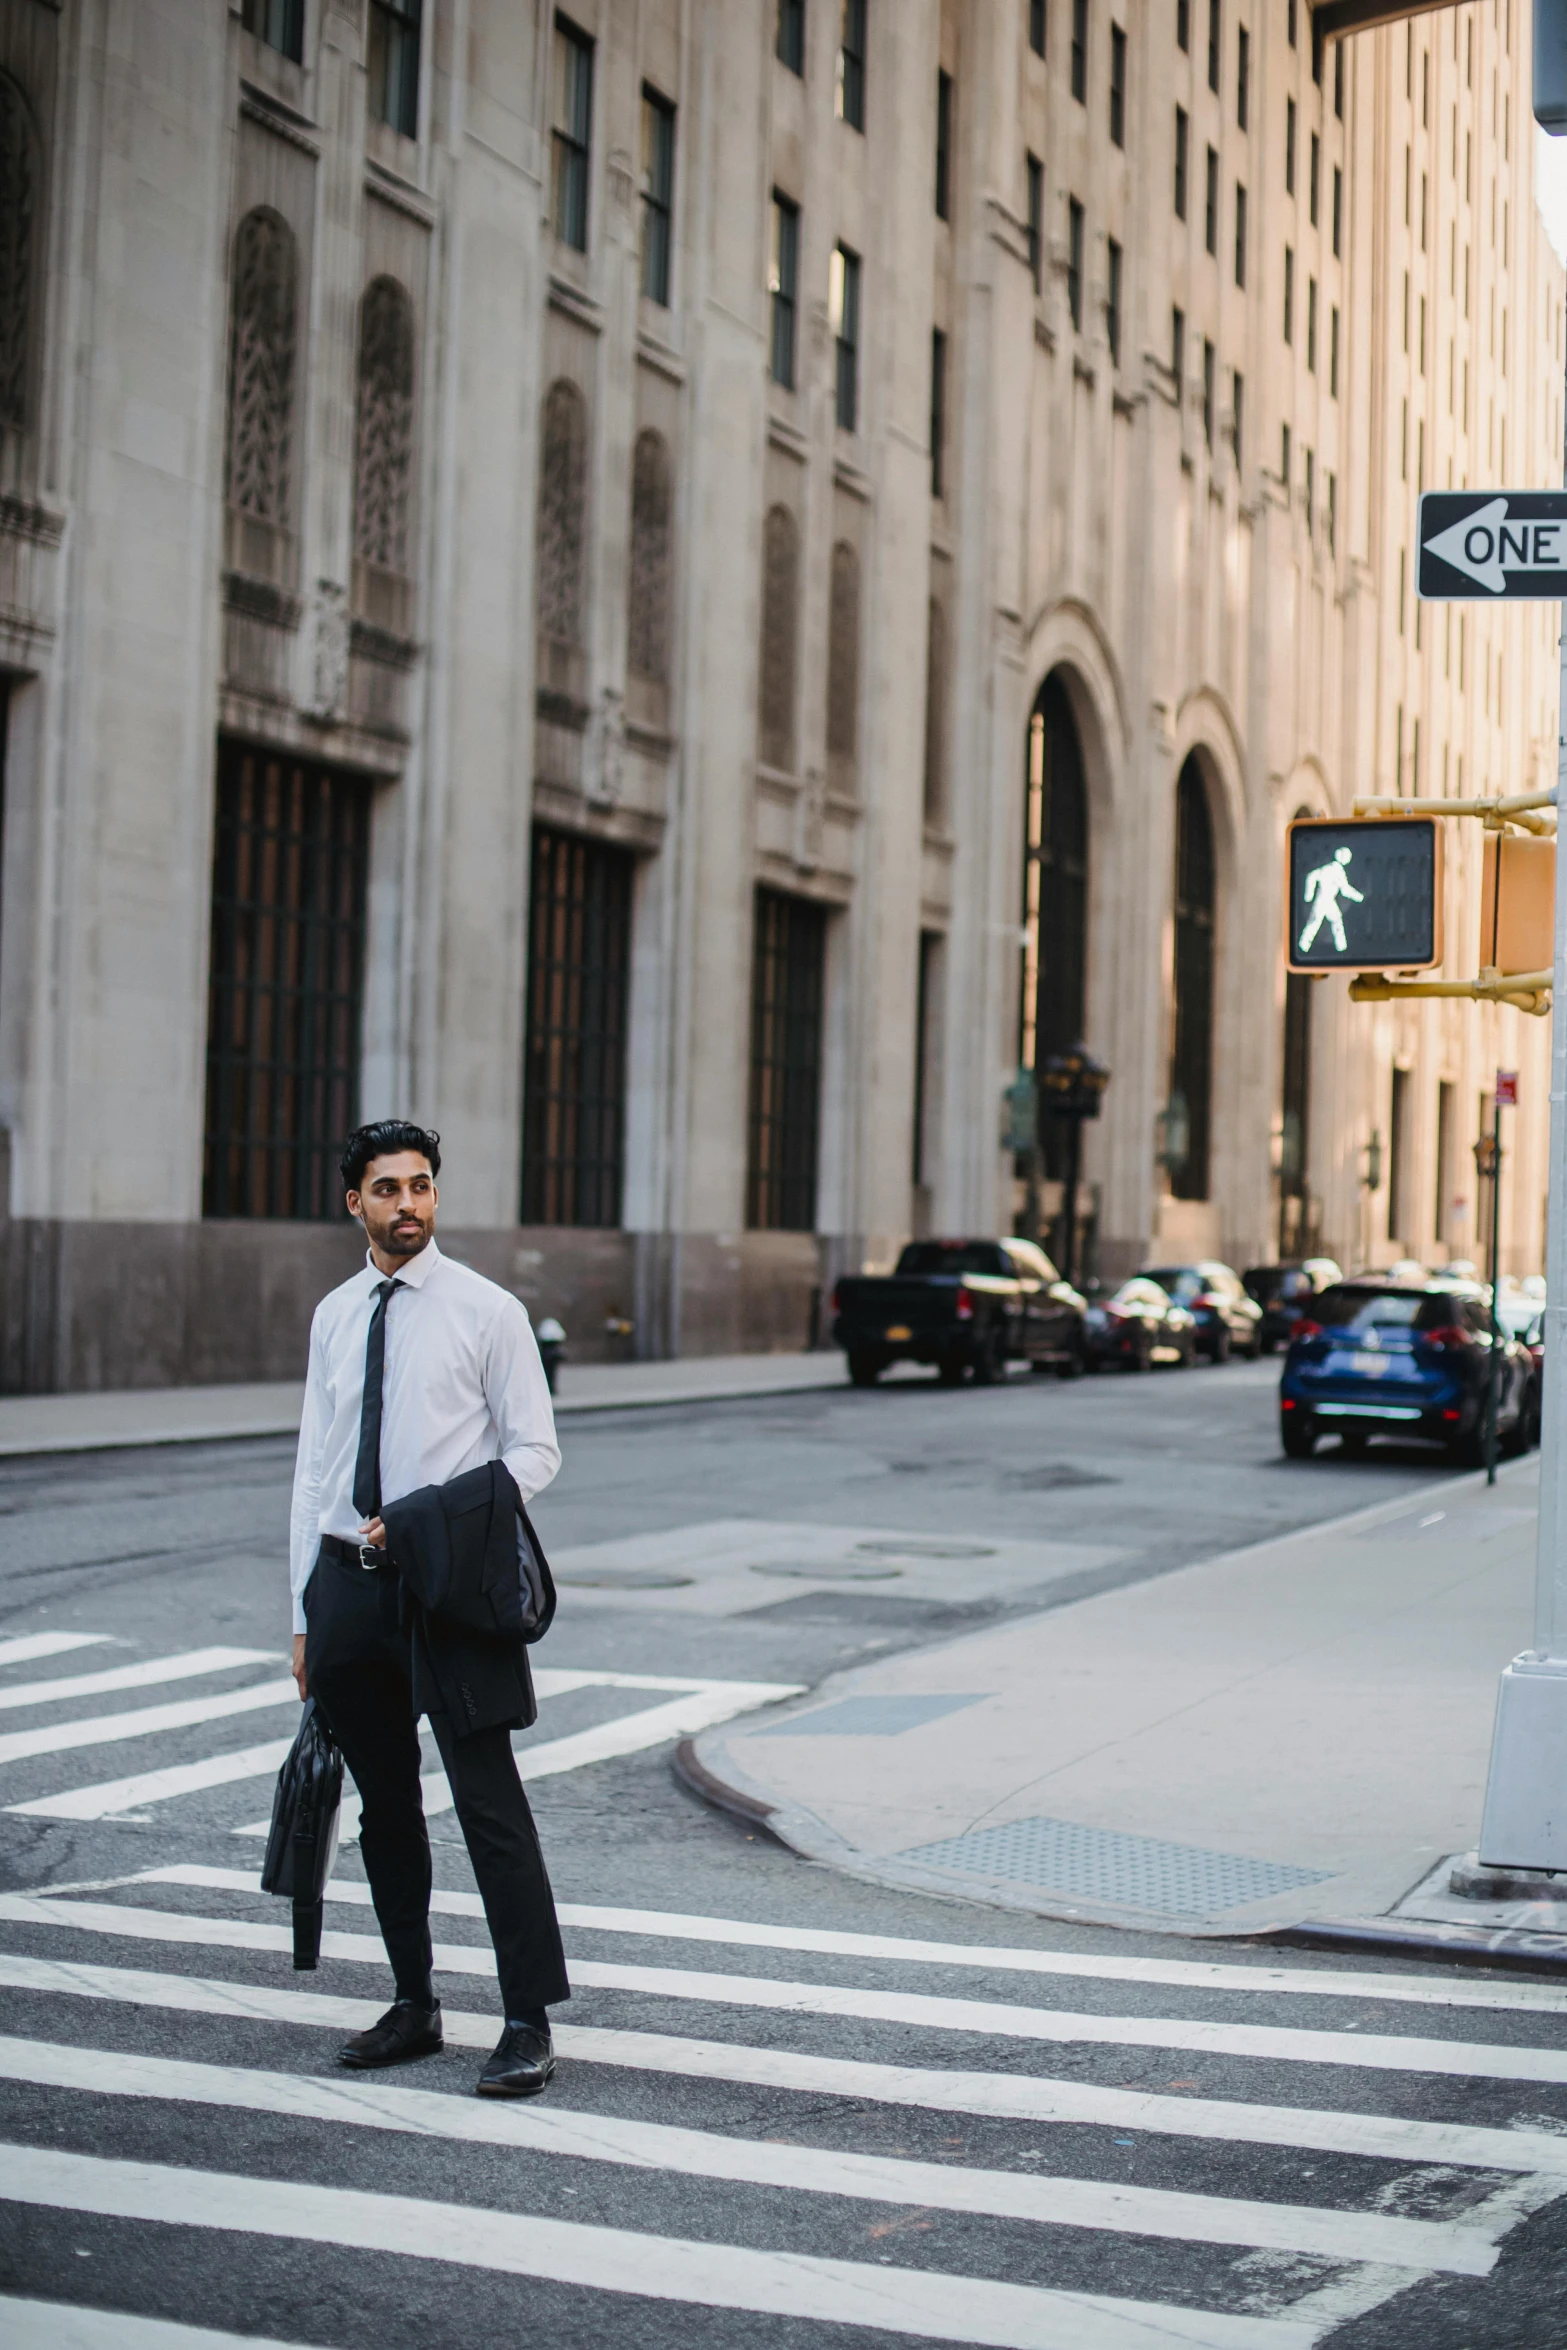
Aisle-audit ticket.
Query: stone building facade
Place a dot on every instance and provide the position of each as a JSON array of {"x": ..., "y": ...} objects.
[{"x": 675, "y": 586}]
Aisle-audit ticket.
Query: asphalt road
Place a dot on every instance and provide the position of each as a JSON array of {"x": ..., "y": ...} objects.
[{"x": 842, "y": 2129}]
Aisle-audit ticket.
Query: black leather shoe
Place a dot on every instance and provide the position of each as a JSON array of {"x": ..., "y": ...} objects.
[
  {"x": 404, "y": 2032},
  {"x": 522, "y": 2063}
]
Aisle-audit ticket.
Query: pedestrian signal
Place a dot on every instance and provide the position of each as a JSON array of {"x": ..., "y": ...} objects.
[
  {"x": 1518, "y": 903},
  {"x": 1363, "y": 896}
]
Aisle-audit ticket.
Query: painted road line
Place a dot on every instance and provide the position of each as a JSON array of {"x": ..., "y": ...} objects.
[
  {"x": 123, "y": 1798},
  {"x": 109, "y": 1729},
  {"x": 59, "y": 2325},
  {"x": 994, "y": 2096},
  {"x": 146, "y": 1675},
  {"x": 929, "y": 2304},
  {"x": 1321, "y": 2231},
  {"x": 1198, "y": 1975},
  {"x": 36, "y": 1644},
  {"x": 1369, "y": 2051}
]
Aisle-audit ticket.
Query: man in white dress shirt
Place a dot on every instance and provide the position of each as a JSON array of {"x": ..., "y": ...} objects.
[{"x": 419, "y": 1369}]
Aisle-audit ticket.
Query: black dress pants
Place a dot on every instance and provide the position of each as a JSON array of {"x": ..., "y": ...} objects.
[{"x": 358, "y": 1667}]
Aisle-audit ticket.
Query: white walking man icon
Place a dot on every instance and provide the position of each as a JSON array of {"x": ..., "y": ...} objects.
[{"x": 1327, "y": 884}]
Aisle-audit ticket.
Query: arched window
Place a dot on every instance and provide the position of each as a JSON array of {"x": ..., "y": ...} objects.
[
  {"x": 648, "y": 632},
  {"x": 1055, "y": 895},
  {"x": 563, "y": 473},
  {"x": 261, "y": 368},
  {"x": 1191, "y": 1061},
  {"x": 383, "y": 427},
  {"x": 780, "y": 629},
  {"x": 843, "y": 662},
  {"x": 936, "y": 715},
  {"x": 19, "y": 198}
]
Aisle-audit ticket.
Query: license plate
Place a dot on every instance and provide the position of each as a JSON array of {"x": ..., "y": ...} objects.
[
  {"x": 900, "y": 1330},
  {"x": 1370, "y": 1366}
]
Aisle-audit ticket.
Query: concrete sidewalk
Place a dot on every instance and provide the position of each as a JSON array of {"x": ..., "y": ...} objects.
[
  {"x": 1294, "y": 1732},
  {"x": 187, "y": 1415}
]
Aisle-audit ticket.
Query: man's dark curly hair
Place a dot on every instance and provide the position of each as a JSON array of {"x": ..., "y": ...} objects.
[{"x": 380, "y": 1141}]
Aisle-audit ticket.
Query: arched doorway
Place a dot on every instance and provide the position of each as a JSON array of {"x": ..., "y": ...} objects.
[
  {"x": 1191, "y": 1057},
  {"x": 1055, "y": 899}
]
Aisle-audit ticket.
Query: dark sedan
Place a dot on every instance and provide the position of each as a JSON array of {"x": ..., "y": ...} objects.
[
  {"x": 1227, "y": 1319},
  {"x": 1138, "y": 1327},
  {"x": 1405, "y": 1359},
  {"x": 1287, "y": 1295}
]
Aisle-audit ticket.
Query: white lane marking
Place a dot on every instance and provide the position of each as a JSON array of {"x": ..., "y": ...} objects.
[
  {"x": 1199, "y": 1975},
  {"x": 109, "y": 1729},
  {"x": 121, "y": 1798},
  {"x": 1370, "y": 2051},
  {"x": 145, "y": 1675},
  {"x": 59, "y": 2325},
  {"x": 35, "y": 1644},
  {"x": 995, "y": 2096},
  {"x": 930, "y": 2304},
  {"x": 1321, "y": 2231}
]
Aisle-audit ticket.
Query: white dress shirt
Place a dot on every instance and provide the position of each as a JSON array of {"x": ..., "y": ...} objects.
[{"x": 462, "y": 1384}]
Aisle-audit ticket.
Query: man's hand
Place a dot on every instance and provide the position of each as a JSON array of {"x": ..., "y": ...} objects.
[
  {"x": 374, "y": 1533},
  {"x": 299, "y": 1664}
]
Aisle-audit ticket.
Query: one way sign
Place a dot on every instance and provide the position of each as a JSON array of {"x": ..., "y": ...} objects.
[{"x": 1493, "y": 544}]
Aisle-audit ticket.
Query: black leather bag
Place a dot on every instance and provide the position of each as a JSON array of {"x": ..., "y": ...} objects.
[{"x": 302, "y": 1843}]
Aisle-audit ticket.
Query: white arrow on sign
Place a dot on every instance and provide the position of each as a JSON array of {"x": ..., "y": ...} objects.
[{"x": 1485, "y": 547}]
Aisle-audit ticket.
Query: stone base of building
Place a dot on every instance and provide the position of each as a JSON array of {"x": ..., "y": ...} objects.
[{"x": 87, "y": 1305}]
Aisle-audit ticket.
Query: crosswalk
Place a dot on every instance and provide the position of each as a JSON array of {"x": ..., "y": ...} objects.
[{"x": 803, "y": 2126}]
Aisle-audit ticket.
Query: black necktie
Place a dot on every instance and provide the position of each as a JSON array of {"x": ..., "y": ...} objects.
[{"x": 367, "y": 1468}]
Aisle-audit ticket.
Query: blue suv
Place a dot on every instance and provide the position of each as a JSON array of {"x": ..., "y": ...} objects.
[{"x": 1381, "y": 1358}]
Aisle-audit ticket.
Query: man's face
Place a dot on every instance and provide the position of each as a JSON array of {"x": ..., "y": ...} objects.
[{"x": 396, "y": 1203}]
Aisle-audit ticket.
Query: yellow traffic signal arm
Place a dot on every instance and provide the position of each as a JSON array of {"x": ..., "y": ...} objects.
[
  {"x": 1523, "y": 809},
  {"x": 1526, "y": 991}
]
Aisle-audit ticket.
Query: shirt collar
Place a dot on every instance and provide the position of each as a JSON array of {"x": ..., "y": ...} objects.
[{"x": 415, "y": 1273}]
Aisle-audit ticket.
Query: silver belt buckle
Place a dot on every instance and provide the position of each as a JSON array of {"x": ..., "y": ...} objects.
[{"x": 370, "y": 1558}]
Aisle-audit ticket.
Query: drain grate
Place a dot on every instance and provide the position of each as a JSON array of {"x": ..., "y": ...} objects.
[
  {"x": 1134, "y": 1872},
  {"x": 868, "y": 1717}
]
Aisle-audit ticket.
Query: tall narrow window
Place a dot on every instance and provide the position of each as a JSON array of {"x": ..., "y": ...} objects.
[
  {"x": 383, "y": 437},
  {"x": 1311, "y": 491},
  {"x": 1080, "y": 51},
  {"x": 780, "y": 635},
  {"x": 1311, "y": 324},
  {"x": 1183, "y": 25},
  {"x": 1338, "y": 211},
  {"x": 1295, "y": 1134},
  {"x": 392, "y": 63},
  {"x": 290, "y": 869},
  {"x": 1210, "y": 217},
  {"x": 1209, "y": 372},
  {"x": 1117, "y": 86},
  {"x": 259, "y": 457},
  {"x": 843, "y": 667},
  {"x": 1333, "y": 353},
  {"x": 850, "y": 96},
  {"x": 658, "y": 195},
  {"x": 789, "y": 47},
  {"x": 1289, "y": 146},
  {"x": 787, "y": 987},
  {"x": 1338, "y": 75},
  {"x": 1182, "y": 141},
  {"x": 843, "y": 309},
  {"x": 1286, "y": 476},
  {"x": 280, "y": 23},
  {"x": 1178, "y": 354},
  {"x": 1291, "y": 15},
  {"x": 1243, "y": 78},
  {"x": 1074, "y": 261},
  {"x": 1054, "y": 974},
  {"x": 935, "y": 779},
  {"x": 647, "y": 648},
  {"x": 943, "y": 146},
  {"x": 1330, "y": 514},
  {"x": 1240, "y": 234},
  {"x": 1036, "y": 26},
  {"x": 1289, "y": 294},
  {"x": 1446, "y": 1138},
  {"x": 1036, "y": 220},
  {"x": 1191, "y": 1061},
  {"x": 1214, "y": 36},
  {"x": 783, "y": 286},
  {"x": 562, "y": 531},
  {"x": 924, "y": 1022},
  {"x": 1398, "y": 1154},
  {"x": 1237, "y": 415},
  {"x": 21, "y": 194},
  {"x": 571, "y": 132},
  {"x": 574, "y": 1075},
  {"x": 938, "y": 413},
  {"x": 1314, "y": 176},
  {"x": 1113, "y": 302}
]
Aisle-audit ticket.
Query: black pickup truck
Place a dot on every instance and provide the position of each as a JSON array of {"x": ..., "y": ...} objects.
[{"x": 967, "y": 1306}]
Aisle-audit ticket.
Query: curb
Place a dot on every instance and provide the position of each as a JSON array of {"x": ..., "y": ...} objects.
[{"x": 1513, "y": 1947}]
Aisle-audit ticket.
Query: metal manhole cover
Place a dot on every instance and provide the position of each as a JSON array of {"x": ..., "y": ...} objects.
[
  {"x": 917, "y": 1547},
  {"x": 625, "y": 1579},
  {"x": 829, "y": 1570},
  {"x": 1097, "y": 1864}
]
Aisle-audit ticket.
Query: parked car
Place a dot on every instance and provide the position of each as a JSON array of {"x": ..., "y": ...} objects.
[
  {"x": 1139, "y": 1326},
  {"x": 1379, "y": 1358},
  {"x": 1227, "y": 1319},
  {"x": 969, "y": 1307},
  {"x": 1285, "y": 1293}
]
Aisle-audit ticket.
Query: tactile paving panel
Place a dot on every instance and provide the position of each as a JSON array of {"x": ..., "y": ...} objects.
[
  {"x": 1097, "y": 1864},
  {"x": 867, "y": 1717}
]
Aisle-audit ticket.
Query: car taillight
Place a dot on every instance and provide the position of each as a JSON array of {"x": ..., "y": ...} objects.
[
  {"x": 1448, "y": 1340},
  {"x": 965, "y": 1306},
  {"x": 1305, "y": 1329}
]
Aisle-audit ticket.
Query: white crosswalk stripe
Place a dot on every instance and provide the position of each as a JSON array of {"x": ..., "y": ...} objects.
[
  {"x": 1281, "y": 2199},
  {"x": 32, "y": 1645},
  {"x": 145, "y": 1675}
]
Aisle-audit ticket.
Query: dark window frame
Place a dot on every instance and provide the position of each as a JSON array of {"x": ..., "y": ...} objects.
[
  {"x": 850, "y": 94},
  {"x": 1240, "y": 234},
  {"x": 1183, "y": 132},
  {"x": 943, "y": 144},
  {"x": 1210, "y": 214},
  {"x": 1117, "y": 86},
  {"x": 571, "y": 143},
  {"x": 789, "y": 40},
  {"x": 938, "y": 412},
  {"x": 784, "y": 289},
  {"x": 846, "y": 342},
  {"x": 658, "y": 194},
  {"x": 1075, "y": 221},
  {"x": 1079, "y": 72},
  {"x": 394, "y": 40},
  {"x": 1243, "y": 79},
  {"x": 576, "y": 1030},
  {"x": 1034, "y": 175},
  {"x": 1113, "y": 300},
  {"x": 1195, "y": 911},
  {"x": 1215, "y": 43},
  {"x": 279, "y": 24},
  {"x": 783, "y": 1114},
  {"x": 1036, "y": 27}
]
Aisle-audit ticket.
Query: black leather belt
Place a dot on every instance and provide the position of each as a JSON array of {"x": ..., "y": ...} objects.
[{"x": 355, "y": 1554}]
